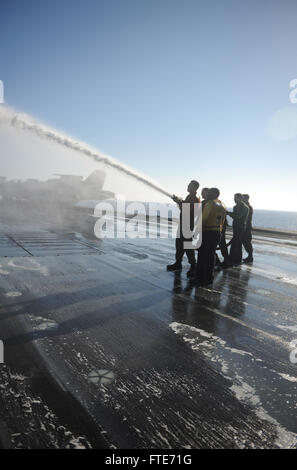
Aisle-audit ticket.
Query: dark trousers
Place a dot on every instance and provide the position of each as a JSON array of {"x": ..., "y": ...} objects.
[
  {"x": 223, "y": 246},
  {"x": 180, "y": 251},
  {"x": 247, "y": 242},
  {"x": 236, "y": 245},
  {"x": 206, "y": 256}
]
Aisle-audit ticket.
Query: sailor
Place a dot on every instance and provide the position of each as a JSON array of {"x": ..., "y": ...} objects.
[
  {"x": 213, "y": 218},
  {"x": 239, "y": 215},
  {"x": 180, "y": 241},
  {"x": 247, "y": 237},
  {"x": 204, "y": 196},
  {"x": 223, "y": 247}
]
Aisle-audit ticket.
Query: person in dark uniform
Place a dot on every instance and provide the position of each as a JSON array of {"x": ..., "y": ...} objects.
[
  {"x": 247, "y": 237},
  {"x": 213, "y": 218},
  {"x": 239, "y": 215},
  {"x": 204, "y": 196},
  {"x": 180, "y": 241},
  {"x": 223, "y": 248}
]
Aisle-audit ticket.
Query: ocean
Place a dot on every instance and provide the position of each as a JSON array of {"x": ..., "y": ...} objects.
[{"x": 275, "y": 219}]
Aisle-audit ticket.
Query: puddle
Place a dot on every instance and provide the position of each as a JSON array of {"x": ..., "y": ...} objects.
[
  {"x": 47, "y": 325},
  {"x": 13, "y": 294}
]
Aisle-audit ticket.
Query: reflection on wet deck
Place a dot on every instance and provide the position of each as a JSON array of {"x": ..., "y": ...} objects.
[{"x": 155, "y": 361}]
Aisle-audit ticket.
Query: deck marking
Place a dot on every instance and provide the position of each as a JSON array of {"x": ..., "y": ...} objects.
[{"x": 101, "y": 377}]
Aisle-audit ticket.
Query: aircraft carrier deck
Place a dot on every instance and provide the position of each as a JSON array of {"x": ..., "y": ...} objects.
[{"x": 105, "y": 349}]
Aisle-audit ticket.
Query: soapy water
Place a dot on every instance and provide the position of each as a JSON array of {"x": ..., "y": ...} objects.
[{"x": 25, "y": 123}]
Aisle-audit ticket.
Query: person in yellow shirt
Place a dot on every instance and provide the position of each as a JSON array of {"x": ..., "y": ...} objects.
[{"x": 213, "y": 218}]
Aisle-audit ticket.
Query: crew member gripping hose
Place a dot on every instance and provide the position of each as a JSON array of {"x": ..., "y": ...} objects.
[{"x": 181, "y": 240}]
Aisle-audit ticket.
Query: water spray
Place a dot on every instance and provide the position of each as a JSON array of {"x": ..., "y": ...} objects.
[{"x": 21, "y": 121}]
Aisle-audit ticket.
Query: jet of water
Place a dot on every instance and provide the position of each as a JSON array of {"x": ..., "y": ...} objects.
[{"x": 22, "y": 121}]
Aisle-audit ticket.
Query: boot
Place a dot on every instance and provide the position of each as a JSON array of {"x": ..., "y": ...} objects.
[
  {"x": 191, "y": 274},
  {"x": 174, "y": 267}
]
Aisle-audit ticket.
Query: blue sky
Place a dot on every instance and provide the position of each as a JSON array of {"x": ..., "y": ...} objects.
[{"x": 178, "y": 89}]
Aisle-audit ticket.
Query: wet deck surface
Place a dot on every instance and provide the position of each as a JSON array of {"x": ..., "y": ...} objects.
[{"x": 104, "y": 348}]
